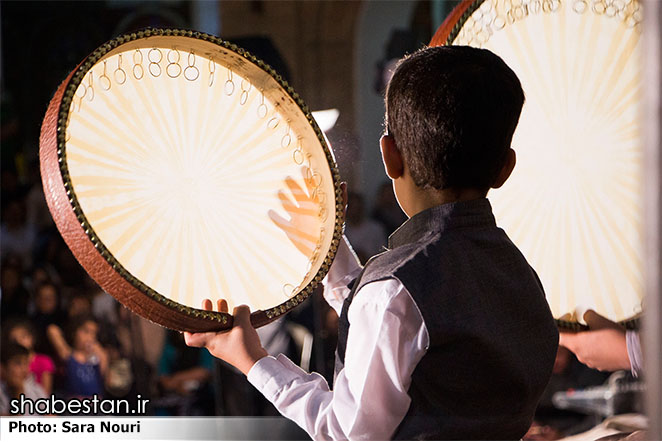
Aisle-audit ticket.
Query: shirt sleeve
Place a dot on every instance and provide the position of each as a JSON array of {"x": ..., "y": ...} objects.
[
  {"x": 634, "y": 352},
  {"x": 344, "y": 269},
  {"x": 387, "y": 338}
]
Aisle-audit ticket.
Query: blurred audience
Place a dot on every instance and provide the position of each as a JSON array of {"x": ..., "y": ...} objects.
[
  {"x": 36, "y": 208},
  {"x": 17, "y": 235}
]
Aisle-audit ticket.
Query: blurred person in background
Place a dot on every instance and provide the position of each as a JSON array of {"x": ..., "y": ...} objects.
[
  {"x": 15, "y": 378},
  {"x": 17, "y": 235},
  {"x": 41, "y": 366},
  {"x": 85, "y": 361},
  {"x": 79, "y": 304},
  {"x": 41, "y": 274},
  {"x": 47, "y": 311}
]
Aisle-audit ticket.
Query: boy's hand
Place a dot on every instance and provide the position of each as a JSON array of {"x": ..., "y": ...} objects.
[
  {"x": 240, "y": 346},
  {"x": 300, "y": 204},
  {"x": 602, "y": 347}
]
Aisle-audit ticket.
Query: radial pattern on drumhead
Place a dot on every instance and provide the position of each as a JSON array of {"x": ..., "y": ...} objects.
[
  {"x": 574, "y": 202},
  {"x": 196, "y": 180}
]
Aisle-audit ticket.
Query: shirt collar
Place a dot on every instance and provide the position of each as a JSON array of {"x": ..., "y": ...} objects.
[{"x": 473, "y": 213}]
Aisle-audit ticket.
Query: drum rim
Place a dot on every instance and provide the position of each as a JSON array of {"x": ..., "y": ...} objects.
[
  {"x": 450, "y": 28},
  {"x": 203, "y": 320}
]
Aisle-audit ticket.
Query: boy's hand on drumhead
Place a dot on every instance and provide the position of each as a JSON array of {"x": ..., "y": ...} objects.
[
  {"x": 240, "y": 346},
  {"x": 602, "y": 347}
]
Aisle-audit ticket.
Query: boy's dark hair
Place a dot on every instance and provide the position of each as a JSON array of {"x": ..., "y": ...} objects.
[
  {"x": 12, "y": 350},
  {"x": 452, "y": 111}
]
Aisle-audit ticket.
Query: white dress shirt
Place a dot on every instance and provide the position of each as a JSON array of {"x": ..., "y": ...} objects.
[
  {"x": 387, "y": 338},
  {"x": 634, "y": 352}
]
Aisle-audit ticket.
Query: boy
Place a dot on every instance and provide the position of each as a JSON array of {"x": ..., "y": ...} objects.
[{"x": 447, "y": 335}]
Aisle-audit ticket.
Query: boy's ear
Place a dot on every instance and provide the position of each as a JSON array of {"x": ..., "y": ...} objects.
[
  {"x": 393, "y": 162},
  {"x": 506, "y": 170}
]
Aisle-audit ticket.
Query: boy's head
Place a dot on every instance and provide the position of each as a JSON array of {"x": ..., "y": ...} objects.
[{"x": 451, "y": 112}]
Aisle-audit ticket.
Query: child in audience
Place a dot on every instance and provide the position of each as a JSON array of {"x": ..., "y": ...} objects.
[
  {"x": 15, "y": 378},
  {"x": 40, "y": 365},
  {"x": 85, "y": 361}
]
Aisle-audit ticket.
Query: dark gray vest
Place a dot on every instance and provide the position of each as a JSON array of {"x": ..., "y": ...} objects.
[{"x": 492, "y": 337}]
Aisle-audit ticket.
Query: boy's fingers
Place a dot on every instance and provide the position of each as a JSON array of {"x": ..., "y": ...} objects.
[
  {"x": 207, "y": 305},
  {"x": 194, "y": 339},
  {"x": 222, "y": 305},
  {"x": 242, "y": 315},
  {"x": 596, "y": 321}
]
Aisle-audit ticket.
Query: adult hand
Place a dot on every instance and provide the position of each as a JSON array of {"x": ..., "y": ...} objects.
[
  {"x": 602, "y": 347},
  {"x": 240, "y": 346}
]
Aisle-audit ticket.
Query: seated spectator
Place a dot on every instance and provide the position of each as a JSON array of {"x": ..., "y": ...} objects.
[
  {"x": 15, "y": 378},
  {"x": 41, "y": 366},
  {"x": 85, "y": 361}
]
